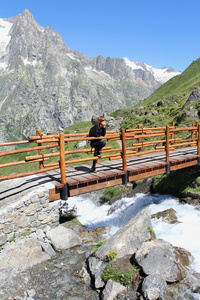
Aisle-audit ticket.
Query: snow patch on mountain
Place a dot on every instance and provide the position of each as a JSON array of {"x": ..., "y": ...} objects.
[
  {"x": 160, "y": 75},
  {"x": 4, "y": 39}
]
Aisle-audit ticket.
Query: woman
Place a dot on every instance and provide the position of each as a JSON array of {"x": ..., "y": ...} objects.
[{"x": 99, "y": 129}]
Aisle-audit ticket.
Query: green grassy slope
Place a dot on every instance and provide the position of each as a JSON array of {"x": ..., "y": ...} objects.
[{"x": 165, "y": 105}]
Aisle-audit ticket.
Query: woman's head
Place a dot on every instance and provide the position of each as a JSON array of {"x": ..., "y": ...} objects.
[{"x": 100, "y": 120}]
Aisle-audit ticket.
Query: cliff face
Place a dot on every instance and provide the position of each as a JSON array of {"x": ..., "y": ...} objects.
[{"x": 44, "y": 84}]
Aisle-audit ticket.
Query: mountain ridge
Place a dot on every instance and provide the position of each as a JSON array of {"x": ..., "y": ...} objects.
[{"x": 45, "y": 84}]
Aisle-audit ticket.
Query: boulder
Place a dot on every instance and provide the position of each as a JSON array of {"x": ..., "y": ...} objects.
[
  {"x": 96, "y": 267},
  {"x": 128, "y": 238},
  {"x": 22, "y": 254},
  {"x": 63, "y": 238},
  {"x": 169, "y": 215},
  {"x": 153, "y": 287},
  {"x": 160, "y": 257},
  {"x": 112, "y": 289}
]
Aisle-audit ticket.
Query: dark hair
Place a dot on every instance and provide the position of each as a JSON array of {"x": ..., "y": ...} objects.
[{"x": 100, "y": 120}]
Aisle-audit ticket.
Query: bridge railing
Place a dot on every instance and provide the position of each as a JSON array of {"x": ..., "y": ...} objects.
[{"x": 52, "y": 152}]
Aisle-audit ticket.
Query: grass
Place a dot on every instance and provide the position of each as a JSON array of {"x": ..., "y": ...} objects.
[
  {"x": 119, "y": 274},
  {"x": 76, "y": 128}
]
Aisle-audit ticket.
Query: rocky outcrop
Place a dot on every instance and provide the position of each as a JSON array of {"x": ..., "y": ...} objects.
[
  {"x": 195, "y": 95},
  {"x": 160, "y": 257},
  {"x": 129, "y": 238},
  {"x": 132, "y": 248}
]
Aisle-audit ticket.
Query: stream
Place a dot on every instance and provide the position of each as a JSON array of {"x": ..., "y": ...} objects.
[{"x": 59, "y": 279}]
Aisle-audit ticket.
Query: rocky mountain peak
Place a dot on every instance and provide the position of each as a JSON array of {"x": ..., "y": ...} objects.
[{"x": 45, "y": 84}]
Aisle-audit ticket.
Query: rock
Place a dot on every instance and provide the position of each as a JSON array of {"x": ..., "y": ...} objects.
[
  {"x": 112, "y": 289},
  {"x": 129, "y": 238},
  {"x": 153, "y": 286},
  {"x": 160, "y": 257},
  {"x": 63, "y": 238},
  {"x": 193, "y": 96},
  {"x": 168, "y": 215},
  {"x": 22, "y": 254},
  {"x": 81, "y": 144},
  {"x": 96, "y": 267},
  {"x": 48, "y": 249},
  {"x": 3, "y": 239},
  {"x": 143, "y": 187}
]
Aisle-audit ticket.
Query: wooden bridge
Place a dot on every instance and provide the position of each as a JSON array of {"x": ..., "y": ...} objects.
[{"x": 144, "y": 152}]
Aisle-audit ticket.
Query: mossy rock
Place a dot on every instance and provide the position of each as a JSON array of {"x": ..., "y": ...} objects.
[{"x": 121, "y": 270}]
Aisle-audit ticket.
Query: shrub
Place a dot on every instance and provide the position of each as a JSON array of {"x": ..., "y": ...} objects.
[
  {"x": 116, "y": 272},
  {"x": 110, "y": 255}
]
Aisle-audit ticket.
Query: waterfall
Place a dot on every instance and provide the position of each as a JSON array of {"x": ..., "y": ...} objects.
[{"x": 183, "y": 234}]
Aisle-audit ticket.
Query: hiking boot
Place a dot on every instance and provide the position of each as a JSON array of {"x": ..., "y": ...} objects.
[{"x": 93, "y": 170}]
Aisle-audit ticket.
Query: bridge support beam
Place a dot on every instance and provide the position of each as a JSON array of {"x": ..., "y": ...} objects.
[
  {"x": 125, "y": 178},
  {"x": 167, "y": 167},
  {"x": 64, "y": 192}
]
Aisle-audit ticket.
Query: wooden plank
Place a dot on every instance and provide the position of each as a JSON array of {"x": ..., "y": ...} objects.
[{"x": 95, "y": 187}]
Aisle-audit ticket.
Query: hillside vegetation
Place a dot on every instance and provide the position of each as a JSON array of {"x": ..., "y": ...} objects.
[{"x": 166, "y": 104}]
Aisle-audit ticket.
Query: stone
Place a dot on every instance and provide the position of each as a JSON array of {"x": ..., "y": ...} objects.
[
  {"x": 129, "y": 238},
  {"x": 12, "y": 214},
  {"x": 40, "y": 234},
  {"x": 96, "y": 267},
  {"x": 3, "y": 239},
  {"x": 48, "y": 249},
  {"x": 34, "y": 198},
  {"x": 81, "y": 144},
  {"x": 8, "y": 228},
  {"x": 153, "y": 287},
  {"x": 112, "y": 289},
  {"x": 160, "y": 257},
  {"x": 22, "y": 254},
  {"x": 63, "y": 238},
  {"x": 169, "y": 215},
  {"x": 32, "y": 208},
  {"x": 20, "y": 222}
]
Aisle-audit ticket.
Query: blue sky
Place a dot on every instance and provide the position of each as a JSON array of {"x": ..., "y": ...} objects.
[{"x": 157, "y": 32}]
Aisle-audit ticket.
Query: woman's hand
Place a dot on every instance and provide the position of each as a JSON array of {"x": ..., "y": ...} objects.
[{"x": 103, "y": 123}]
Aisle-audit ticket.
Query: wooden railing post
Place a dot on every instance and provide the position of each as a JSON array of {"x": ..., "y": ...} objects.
[
  {"x": 64, "y": 189},
  {"x": 198, "y": 143},
  {"x": 167, "y": 150},
  {"x": 172, "y": 135},
  {"x": 41, "y": 163},
  {"x": 140, "y": 139},
  {"x": 123, "y": 138}
]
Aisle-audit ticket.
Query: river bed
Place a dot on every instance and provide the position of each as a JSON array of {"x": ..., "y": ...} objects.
[{"x": 59, "y": 278}]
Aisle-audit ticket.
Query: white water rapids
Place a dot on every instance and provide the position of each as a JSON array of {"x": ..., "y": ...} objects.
[{"x": 184, "y": 234}]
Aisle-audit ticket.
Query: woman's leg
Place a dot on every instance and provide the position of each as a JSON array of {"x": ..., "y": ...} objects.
[{"x": 97, "y": 148}]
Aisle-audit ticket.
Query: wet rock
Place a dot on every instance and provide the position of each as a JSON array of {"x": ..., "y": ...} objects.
[
  {"x": 143, "y": 187},
  {"x": 63, "y": 238},
  {"x": 153, "y": 287},
  {"x": 168, "y": 215},
  {"x": 127, "y": 239},
  {"x": 160, "y": 257}
]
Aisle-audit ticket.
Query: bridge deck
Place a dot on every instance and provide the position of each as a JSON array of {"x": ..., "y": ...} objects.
[{"x": 109, "y": 173}]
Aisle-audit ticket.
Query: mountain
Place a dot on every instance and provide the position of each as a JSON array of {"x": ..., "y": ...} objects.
[
  {"x": 44, "y": 84},
  {"x": 177, "y": 101}
]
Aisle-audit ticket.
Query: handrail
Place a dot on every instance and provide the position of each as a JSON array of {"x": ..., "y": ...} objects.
[{"x": 135, "y": 142}]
